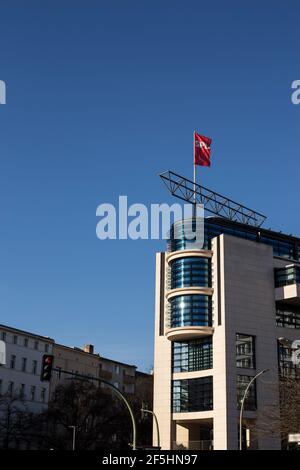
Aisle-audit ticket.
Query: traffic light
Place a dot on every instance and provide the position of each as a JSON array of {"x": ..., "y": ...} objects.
[
  {"x": 144, "y": 410},
  {"x": 47, "y": 365}
]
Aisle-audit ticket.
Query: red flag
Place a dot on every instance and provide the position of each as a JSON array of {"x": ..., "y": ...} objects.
[{"x": 201, "y": 150}]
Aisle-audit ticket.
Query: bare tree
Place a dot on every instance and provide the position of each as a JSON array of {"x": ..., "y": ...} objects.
[
  {"x": 13, "y": 421},
  {"x": 285, "y": 420},
  {"x": 100, "y": 421}
]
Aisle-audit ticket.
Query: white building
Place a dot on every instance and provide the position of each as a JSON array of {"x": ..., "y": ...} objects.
[{"x": 20, "y": 376}]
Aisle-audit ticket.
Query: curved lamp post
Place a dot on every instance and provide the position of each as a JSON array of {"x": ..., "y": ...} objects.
[
  {"x": 243, "y": 401},
  {"x": 144, "y": 410},
  {"x": 122, "y": 397},
  {"x": 74, "y": 436}
]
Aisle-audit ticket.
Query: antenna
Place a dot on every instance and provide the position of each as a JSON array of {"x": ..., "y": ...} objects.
[{"x": 215, "y": 203}]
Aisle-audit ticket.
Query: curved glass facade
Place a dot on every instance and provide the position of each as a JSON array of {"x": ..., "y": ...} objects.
[
  {"x": 178, "y": 232},
  {"x": 191, "y": 310},
  {"x": 283, "y": 246},
  {"x": 189, "y": 272}
]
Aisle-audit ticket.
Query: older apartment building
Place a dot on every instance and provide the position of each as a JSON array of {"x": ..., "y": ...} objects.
[
  {"x": 20, "y": 375},
  {"x": 85, "y": 362},
  {"x": 223, "y": 314}
]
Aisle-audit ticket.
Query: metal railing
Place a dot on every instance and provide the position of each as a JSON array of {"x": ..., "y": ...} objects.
[
  {"x": 215, "y": 203},
  {"x": 193, "y": 445}
]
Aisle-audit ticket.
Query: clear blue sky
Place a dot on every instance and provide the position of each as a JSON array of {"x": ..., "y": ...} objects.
[{"x": 101, "y": 97}]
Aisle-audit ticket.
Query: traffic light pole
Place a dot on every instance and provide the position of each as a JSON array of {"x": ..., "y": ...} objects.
[{"x": 117, "y": 392}]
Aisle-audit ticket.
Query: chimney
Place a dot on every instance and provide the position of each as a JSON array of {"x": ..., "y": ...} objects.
[{"x": 88, "y": 348}]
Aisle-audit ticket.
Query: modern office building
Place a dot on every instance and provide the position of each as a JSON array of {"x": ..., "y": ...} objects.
[{"x": 221, "y": 315}]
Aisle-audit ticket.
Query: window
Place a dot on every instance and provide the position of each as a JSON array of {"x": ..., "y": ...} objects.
[
  {"x": 192, "y": 355},
  {"x": 250, "y": 401},
  {"x": 117, "y": 369},
  {"x": 12, "y": 361},
  {"x": 191, "y": 310},
  {"x": 281, "y": 248},
  {"x": 36, "y": 345},
  {"x": 10, "y": 389},
  {"x": 193, "y": 271},
  {"x": 287, "y": 369},
  {"x": 15, "y": 339},
  {"x": 128, "y": 389},
  {"x": 287, "y": 275},
  {"x": 3, "y": 336},
  {"x": 192, "y": 395},
  {"x": 46, "y": 348},
  {"x": 34, "y": 367},
  {"x": 288, "y": 316},
  {"x": 22, "y": 390},
  {"x": 32, "y": 393},
  {"x": 245, "y": 351},
  {"x": 24, "y": 363},
  {"x": 116, "y": 384},
  {"x": 26, "y": 342},
  {"x": 43, "y": 395}
]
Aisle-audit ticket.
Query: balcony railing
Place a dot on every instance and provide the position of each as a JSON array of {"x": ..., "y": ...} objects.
[
  {"x": 287, "y": 276},
  {"x": 193, "y": 445},
  {"x": 105, "y": 374},
  {"x": 128, "y": 379}
]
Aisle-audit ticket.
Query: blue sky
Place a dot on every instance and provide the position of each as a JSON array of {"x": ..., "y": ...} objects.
[{"x": 101, "y": 97}]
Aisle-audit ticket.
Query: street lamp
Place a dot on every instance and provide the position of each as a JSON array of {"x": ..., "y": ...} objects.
[
  {"x": 74, "y": 436},
  {"x": 145, "y": 410},
  {"x": 243, "y": 400}
]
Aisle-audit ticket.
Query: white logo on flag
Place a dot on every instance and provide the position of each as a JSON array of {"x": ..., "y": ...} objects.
[{"x": 202, "y": 145}]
